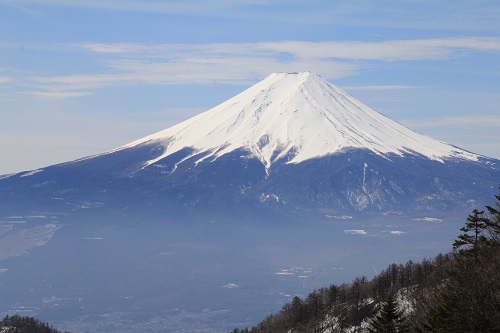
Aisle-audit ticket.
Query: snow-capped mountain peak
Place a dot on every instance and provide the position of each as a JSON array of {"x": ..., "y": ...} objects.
[
  {"x": 299, "y": 116},
  {"x": 293, "y": 143}
]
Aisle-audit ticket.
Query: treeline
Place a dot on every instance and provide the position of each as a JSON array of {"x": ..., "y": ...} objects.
[
  {"x": 454, "y": 292},
  {"x": 339, "y": 307},
  {"x": 25, "y": 324},
  {"x": 470, "y": 300}
]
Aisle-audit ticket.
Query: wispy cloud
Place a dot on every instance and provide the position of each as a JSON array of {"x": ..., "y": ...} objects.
[
  {"x": 122, "y": 5},
  {"x": 392, "y": 50},
  {"x": 4, "y": 79},
  {"x": 474, "y": 132},
  {"x": 55, "y": 94},
  {"x": 349, "y": 88},
  {"x": 394, "y": 14},
  {"x": 244, "y": 63},
  {"x": 194, "y": 7},
  {"x": 467, "y": 121}
]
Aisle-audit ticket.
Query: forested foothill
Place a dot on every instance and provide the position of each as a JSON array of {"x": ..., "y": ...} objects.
[
  {"x": 454, "y": 292},
  {"x": 25, "y": 324}
]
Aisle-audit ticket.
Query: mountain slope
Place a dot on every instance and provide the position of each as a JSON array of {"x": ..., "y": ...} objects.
[
  {"x": 299, "y": 115},
  {"x": 291, "y": 173},
  {"x": 293, "y": 143}
]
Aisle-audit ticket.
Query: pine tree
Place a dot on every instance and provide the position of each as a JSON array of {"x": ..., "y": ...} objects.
[
  {"x": 24, "y": 324},
  {"x": 470, "y": 299},
  {"x": 389, "y": 320},
  {"x": 474, "y": 234},
  {"x": 493, "y": 221}
]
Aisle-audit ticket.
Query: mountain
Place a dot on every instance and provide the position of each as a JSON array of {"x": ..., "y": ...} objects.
[
  {"x": 292, "y": 143},
  {"x": 291, "y": 118},
  {"x": 215, "y": 222}
]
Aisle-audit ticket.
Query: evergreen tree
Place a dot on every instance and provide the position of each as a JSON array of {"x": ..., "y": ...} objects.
[
  {"x": 389, "y": 320},
  {"x": 474, "y": 234},
  {"x": 470, "y": 301},
  {"x": 493, "y": 221},
  {"x": 24, "y": 324}
]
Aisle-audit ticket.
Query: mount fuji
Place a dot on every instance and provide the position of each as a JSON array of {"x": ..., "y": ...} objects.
[
  {"x": 292, "y": 143},
  {"x": 220, "y": 220}
]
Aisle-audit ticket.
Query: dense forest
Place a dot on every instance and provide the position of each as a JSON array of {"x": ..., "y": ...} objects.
[
  {"x": 454, "y": 292},
  {"x": 25, "y": 324}
]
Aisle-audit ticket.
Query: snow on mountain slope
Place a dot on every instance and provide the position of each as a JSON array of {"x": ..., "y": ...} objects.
[{"x": 299, "y": 116}]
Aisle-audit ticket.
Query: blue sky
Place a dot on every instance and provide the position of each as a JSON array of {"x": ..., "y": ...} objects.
[{"x": 82, "y": 77}]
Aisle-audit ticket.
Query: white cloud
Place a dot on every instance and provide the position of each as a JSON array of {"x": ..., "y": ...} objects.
[
  {"x": 55, "y": 94},
  {"x": 244, "y": 63},
  {"x": 391, "y": 50}
]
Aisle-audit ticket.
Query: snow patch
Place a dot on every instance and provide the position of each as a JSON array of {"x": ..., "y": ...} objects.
[
  {"x": 31, "y": 173},
  {"x": 264, "y": 197},
  {"x": 364, "y": 177},
  {"x": 355, "y": 232}
]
